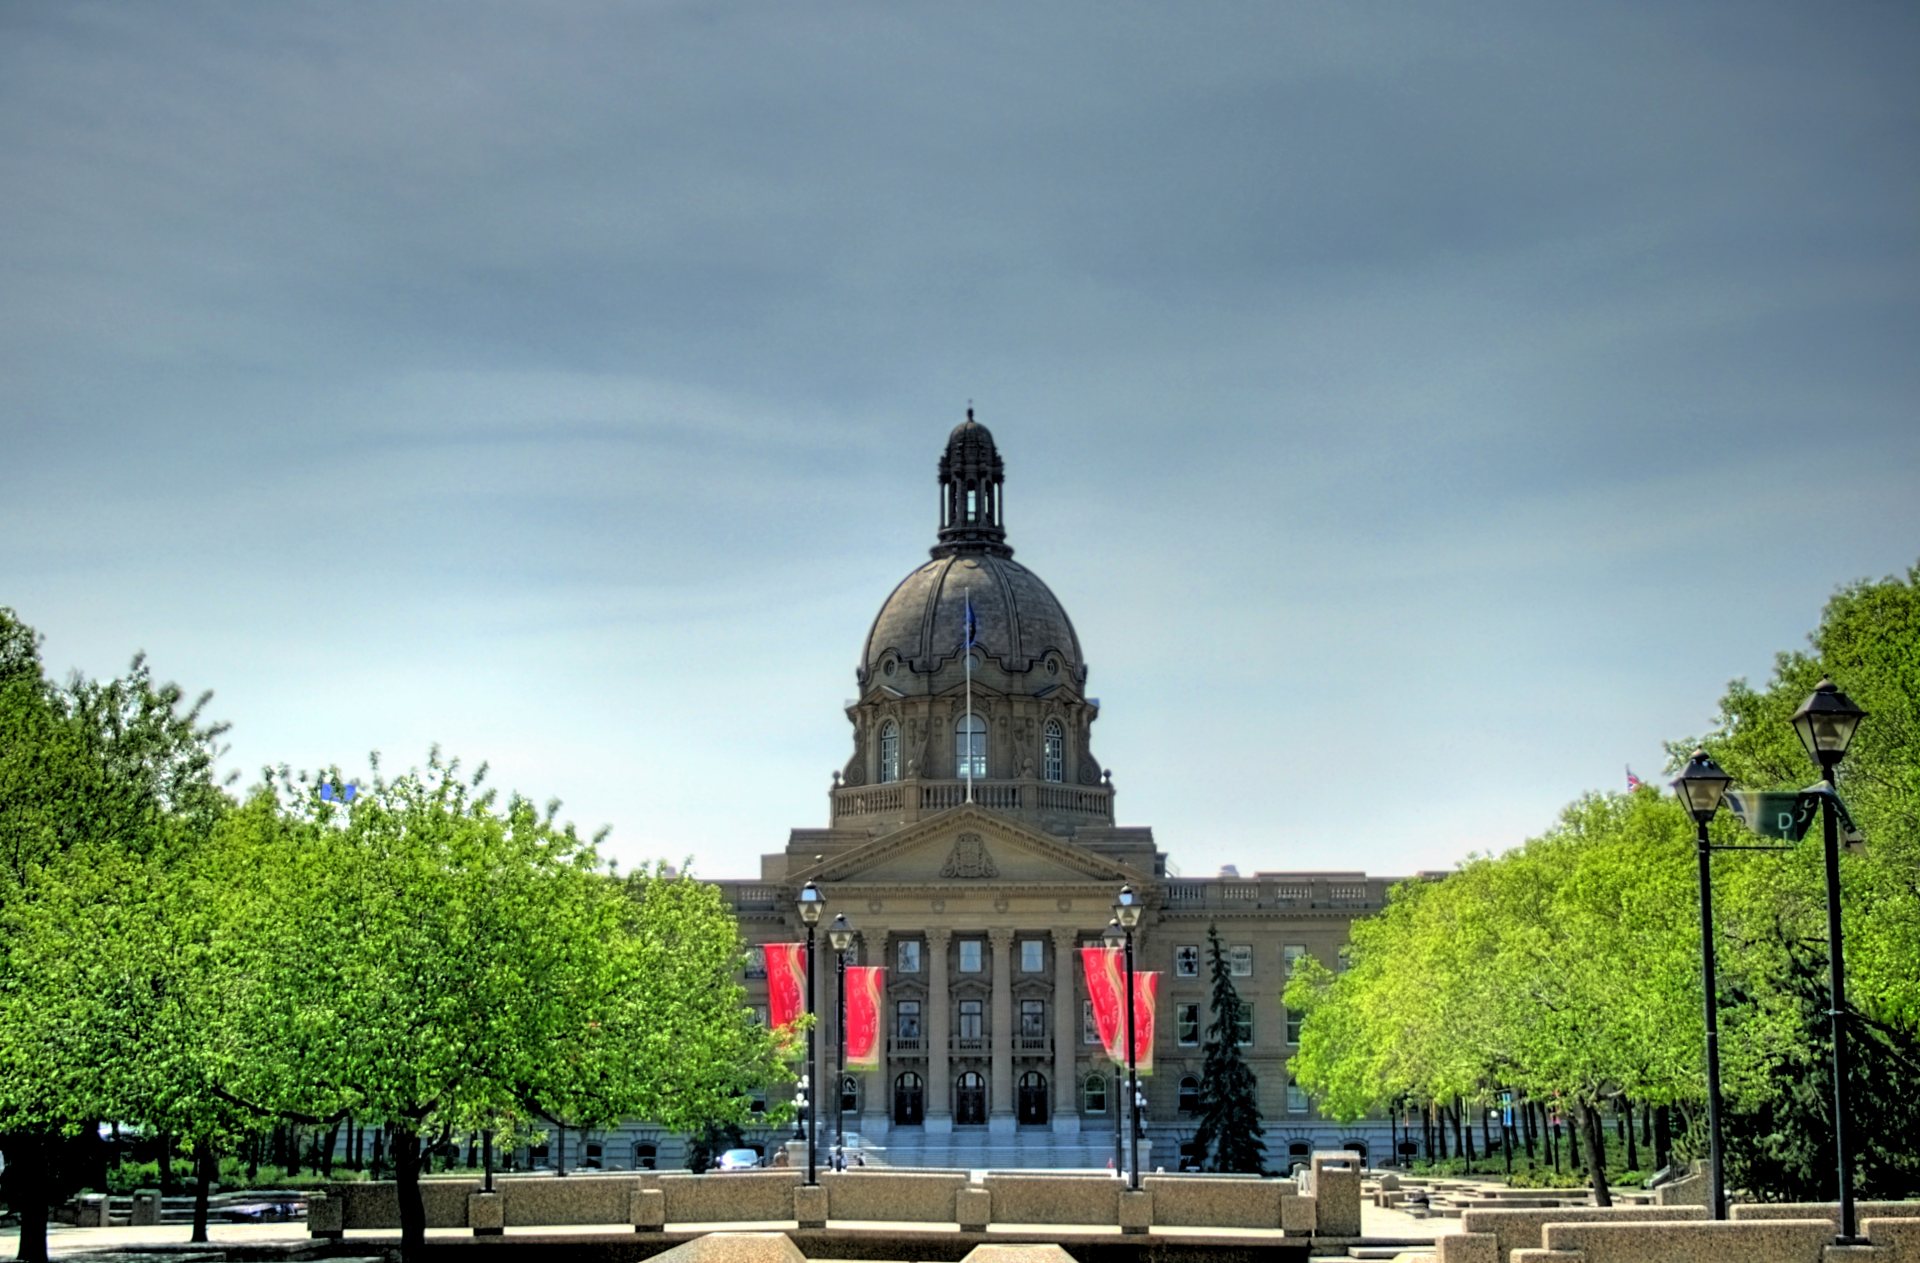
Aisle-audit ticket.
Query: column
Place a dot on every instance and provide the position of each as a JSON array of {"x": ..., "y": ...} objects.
[
  {"x": 939, "y": 1015},
  {"x": 876, "y": 1094},
  {"x": 1066, "y": 1034},
  {"x": 1000, "y": 1112}
]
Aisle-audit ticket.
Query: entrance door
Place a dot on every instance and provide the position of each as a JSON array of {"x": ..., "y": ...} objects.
[
  {"x": 1033, "y": 1097},
  {"x": 970, "y": 1099},
  {"x": 909, "y": 1107}
]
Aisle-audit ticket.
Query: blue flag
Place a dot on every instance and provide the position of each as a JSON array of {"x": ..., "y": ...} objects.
[{"x": 972, "y": 628}]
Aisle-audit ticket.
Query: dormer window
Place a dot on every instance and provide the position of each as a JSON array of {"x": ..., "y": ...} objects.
[
  {"x": 889, "y": 751},
  {"x": 1053, "y": 752}
]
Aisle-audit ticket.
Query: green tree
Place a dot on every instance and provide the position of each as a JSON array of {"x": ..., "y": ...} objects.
[
  {"x": 444, "y": 962},
  {"x": 100, "y": 782},
  {"x": 1228, "y": 1137}
]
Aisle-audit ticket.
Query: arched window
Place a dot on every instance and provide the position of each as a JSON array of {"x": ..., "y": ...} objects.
[
  {"x": 1093, "y": 1094},
  {"x": 889, "y": 752},
  {"x": 970, "y": 747},
  {"x": 1189, "y": 1094},
  {"x": 1053, "y": 752}
]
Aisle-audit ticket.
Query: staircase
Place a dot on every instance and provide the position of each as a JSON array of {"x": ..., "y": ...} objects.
[{"x": 909, "y": 1148}]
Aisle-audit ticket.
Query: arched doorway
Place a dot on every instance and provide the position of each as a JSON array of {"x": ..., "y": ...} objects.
[
  {"x": 970, "y": 1099},
  {"x": 909, "y": 1100},
  {"x": 1033, "y": 1097}
]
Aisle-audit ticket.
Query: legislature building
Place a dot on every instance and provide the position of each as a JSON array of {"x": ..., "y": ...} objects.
[{"x": 972, "y": 843}]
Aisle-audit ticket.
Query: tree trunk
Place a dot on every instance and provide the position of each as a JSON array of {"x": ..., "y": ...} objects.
[
  {"x": 1633, "y": 1151},
  {"x": 326, "y": 1151},
  {"x": 206, "y": 1170},
  {"x": 1426, "y": 1129},
  {"x": 404, "y": 1147},
  {"x": 1459, "y": 1145},
  {"x": 379, "y": 1152},
  {"x": 29, "y": 1184},
  {"x": 1662, "y": 1137},
  {"x": 1594, "y": 1128},
  {"x": 1527, "y": 1127},
  {"x": 164, "y": 1160},
  {"x": 1440, "y": 1127}
]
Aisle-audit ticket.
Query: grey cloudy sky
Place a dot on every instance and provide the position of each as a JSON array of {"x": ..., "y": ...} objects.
[{"x": 1422, "y": 409}]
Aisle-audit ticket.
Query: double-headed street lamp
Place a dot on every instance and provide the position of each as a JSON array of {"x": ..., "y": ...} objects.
[
  {"x": 812, "y": 903},
  {"x": 1701, "y": 786},
  {"x": 1826, "y": 723},
  {"x": 840, "y": 934},
  {"x": 1126, "y": 916}
]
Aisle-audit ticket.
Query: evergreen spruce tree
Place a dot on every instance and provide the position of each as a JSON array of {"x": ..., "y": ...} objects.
[{"x": 1229, "y": 1135}]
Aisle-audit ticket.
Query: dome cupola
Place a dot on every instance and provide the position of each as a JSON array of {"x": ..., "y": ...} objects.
[{"x": 970, "y": 477}]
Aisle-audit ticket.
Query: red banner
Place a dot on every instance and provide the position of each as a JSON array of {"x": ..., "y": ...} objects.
[
  {"x": 1107, "y": 989},
  {"x": 786, "y": 984},
  {"x": 1146, "y": 991},
  {"x": 865, "y": 983}
]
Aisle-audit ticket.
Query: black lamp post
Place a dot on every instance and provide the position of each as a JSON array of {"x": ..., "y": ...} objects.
[
  {"x": 812, "y": 904},
  {"x": 840, "y": 934},
  {"x": 1701, "y": 786},
  {"x": 1126, "y": 911},
  {"x": 1826, "y": 723}
]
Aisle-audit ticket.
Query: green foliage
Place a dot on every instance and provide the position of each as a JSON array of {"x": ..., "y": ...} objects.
[
  {"x": 1569, "y": 967},
  {"x": 1228, "y": 1137}
]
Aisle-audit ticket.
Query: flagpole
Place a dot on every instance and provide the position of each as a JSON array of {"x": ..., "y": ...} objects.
[{"x": 967, "y": 649}]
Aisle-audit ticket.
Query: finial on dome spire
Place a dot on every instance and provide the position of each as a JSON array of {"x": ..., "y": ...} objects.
[{"x": 971, "y": 474}]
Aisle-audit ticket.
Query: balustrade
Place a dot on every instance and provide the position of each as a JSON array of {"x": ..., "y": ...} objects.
[
  {"x": 905, "y": 798},
  {"x": 969, "y": 1043}
]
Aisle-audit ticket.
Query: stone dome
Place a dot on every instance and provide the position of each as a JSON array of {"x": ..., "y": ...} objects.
[{"x": 1018, "y": 621}]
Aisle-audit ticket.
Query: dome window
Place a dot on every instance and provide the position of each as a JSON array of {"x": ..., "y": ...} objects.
[
  {"x": 1053, "y": 752},
  {"x": 970, "y": 747},
  {"x": 889, "y": 751}
]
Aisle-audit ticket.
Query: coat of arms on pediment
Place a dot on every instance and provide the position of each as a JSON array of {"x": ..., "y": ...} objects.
[{"x": 969, "y": 858}]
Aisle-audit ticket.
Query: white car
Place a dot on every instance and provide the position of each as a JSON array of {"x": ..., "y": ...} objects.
[{"x": 737, "y": 1160}]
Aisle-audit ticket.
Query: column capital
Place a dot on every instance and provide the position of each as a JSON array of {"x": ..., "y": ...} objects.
[
  {"x": 1064, "y": 938},
  {"x": 1001, "y": 936}
]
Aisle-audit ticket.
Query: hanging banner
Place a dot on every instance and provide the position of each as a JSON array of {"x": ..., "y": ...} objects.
[
  {"x": 865, "y": 985},
  {"x": 1146, "y": 991},
  {"x": 786, "y": 984},
  {"x": 1106, "y": 989}
]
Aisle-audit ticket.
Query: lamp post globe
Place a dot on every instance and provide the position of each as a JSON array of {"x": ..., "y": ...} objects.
[
  {"x": 1826, "y": 722},
  {"x": 811, "y": 904},
  {"x": 1701, "y": 787}
]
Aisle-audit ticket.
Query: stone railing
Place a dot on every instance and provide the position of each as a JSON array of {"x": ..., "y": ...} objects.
[
  {"x": 1265, "y": 894},
  {"x": 968, "y": 1043},
  {"x": 1032, "y": 1044},
  {"x": 905, "y": 801},
  {"x": 907, "y": 1044}
]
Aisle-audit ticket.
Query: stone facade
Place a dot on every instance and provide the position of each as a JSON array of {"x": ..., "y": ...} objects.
[{"x": 972, "y": 843}]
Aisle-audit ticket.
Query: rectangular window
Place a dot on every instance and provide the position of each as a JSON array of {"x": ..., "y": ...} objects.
[
  {"x": 760, "y": 1014},
  {"x": 1290, "y": 955},
  {"x": 1293, "y": 1026},
  {"x": 1296, "y": 1098},
  {"x": 1240, "y": 960},
  {"x": 1032, "y": 956},
  {"x": 1187, "y": 1023},
  {"x": 909, "y": 954},
  {"x": 972, "y": 1023},
  {"x": 1243, "y": 1035},
  {"x": 1033, "y": 1019},
  {"x": 969, "y": 955},
  {"x": 1089, "y": 1029},
  {"x": 1186, "y": 961},
  {"x": 906, "y": 1020}
]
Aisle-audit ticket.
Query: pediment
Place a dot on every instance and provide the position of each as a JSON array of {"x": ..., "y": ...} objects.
[{"x": 967, "y": 845}]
